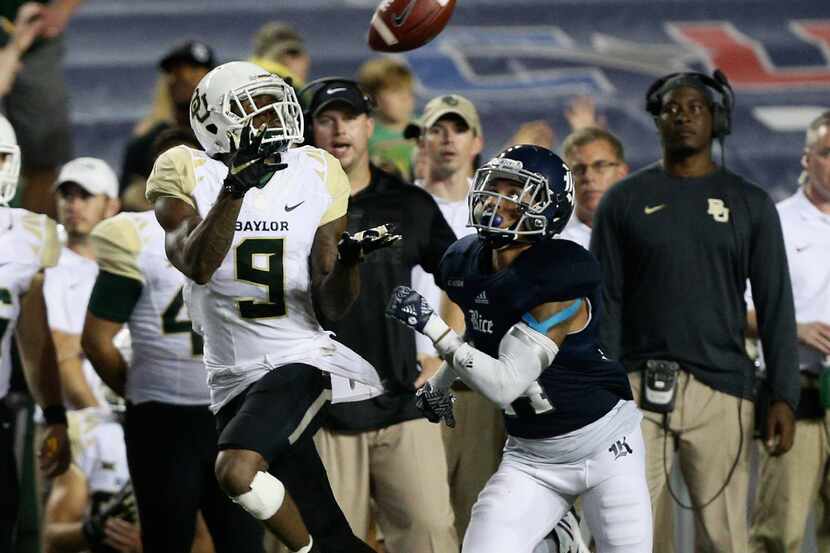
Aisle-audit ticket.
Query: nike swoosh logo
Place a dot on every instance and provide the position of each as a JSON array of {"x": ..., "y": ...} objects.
[
  {"x": 802, "y": 248},
  {"x": 293, "y": 207},
  {"x": 653, "y": 209},
  {"x": 333, "y": 90},
  {"x": 401, "y": 18}
]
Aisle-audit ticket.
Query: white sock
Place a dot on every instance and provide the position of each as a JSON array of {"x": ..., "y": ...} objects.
[{"x": 307, "y": 547}]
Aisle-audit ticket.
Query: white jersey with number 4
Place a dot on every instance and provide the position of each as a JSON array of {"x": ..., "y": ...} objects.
[
  {"x": 166, "y": 364},
  {"x": 28, "y": 243},
  {"x": 256, "y": 311}
]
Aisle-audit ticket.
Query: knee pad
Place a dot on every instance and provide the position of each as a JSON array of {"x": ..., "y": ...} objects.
[{"x": 264, "y": 498}]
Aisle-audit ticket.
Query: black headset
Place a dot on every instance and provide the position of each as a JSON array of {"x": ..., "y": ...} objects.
[
  {"x": 721, "y": 111},
  {"x": 309, "y": 94}
]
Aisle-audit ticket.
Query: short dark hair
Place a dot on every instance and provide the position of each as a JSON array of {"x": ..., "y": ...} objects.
[
  {"x": 172, "y": 137},
  {"x": 587, "y": 135}
]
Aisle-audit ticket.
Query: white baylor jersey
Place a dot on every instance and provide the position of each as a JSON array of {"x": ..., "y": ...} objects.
[
  {"x": 28, "y": 243},
  {"x": 256, "y": 311},
  {"x": 166, "y": 364}
]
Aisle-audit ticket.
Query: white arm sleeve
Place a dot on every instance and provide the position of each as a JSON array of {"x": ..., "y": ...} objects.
[
  {"x": 523, "y": 354},
  {"x": 443, "y": 378}
]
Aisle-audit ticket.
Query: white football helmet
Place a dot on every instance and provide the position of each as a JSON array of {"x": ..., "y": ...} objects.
[
  {"x": 222, "y": 105},
  {"x": 9, "y": 161}
]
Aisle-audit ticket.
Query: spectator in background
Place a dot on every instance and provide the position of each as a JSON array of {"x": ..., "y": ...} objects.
[
  {"x": 383, "y": 448},
  {"x": 37, "y": 104},
  {"x": 597, "y": 161},
  {"x": 280, "y": 49},
  {"x": 677, "y": 241},
  {"x": 452, "y": 137},
  {"x": 182, "y": 67},
  {"x": 789, "y": 485},
  {"x": 19, "y": 37},
  {"x": 87, "y": 192},
  {"x": 390, "y": 83}
]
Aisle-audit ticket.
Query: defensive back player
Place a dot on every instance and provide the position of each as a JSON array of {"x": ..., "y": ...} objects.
[
  {"x": 531, "y": 305},
  {"x": 28, "y": 244},
  {"x": 259, "y": 230}
]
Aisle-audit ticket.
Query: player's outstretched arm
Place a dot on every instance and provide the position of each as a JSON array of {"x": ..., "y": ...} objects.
[
  {"x": 335, "y": 283},
  {"x": 335, "y": 257},
  {"x": 524, "y": 352}
]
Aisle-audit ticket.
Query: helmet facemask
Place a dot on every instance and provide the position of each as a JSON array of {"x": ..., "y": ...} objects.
[
  {"x": 485, "y": 203},
  {"x": 239, "y": 108},
  {"x": 9, "y": 172}
]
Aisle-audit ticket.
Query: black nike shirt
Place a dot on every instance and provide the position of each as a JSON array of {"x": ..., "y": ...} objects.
[
  {"x": 386, "y": 344},
  {"x": 676, "y": 254}
]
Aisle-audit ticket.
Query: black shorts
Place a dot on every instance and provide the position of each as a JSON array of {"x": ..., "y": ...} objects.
[{"x": 275, "y": 412}]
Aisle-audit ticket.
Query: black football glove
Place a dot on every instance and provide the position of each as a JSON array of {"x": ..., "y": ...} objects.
[
  {"x": 352, "y": 248},
  {"x": 251, "y": 164},
  {"x": 409, "y": 307},
  {"x": 435, "y": 404},
  {"x": 121, "y": 505}
]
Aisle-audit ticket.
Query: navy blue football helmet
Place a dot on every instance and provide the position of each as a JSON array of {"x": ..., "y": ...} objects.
[{"x": 545, "y": 202}]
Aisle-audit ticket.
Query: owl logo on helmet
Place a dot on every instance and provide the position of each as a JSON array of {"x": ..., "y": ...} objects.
[
  {"x": 9, "y": 161},
  {"x": 223, "y": 104},
  {"x": 541, "y": 196}
]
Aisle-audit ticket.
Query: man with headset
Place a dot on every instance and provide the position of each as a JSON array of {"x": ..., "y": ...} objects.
[{"x": 677, "y": 242}]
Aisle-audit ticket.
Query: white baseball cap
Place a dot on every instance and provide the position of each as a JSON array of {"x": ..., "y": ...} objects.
[{"x": 92, "y": 174}]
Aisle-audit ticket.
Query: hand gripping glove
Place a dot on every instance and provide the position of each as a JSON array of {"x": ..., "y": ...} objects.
[
  {"x": 251, "y": 164},
  {"x": 352, "y": 248}
]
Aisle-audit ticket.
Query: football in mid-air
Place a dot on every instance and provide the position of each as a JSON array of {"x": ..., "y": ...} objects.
[{"x": 401, "y": 25}]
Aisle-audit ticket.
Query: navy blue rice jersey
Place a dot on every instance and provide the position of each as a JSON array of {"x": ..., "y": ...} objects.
[{"x": 581, "y": 385}]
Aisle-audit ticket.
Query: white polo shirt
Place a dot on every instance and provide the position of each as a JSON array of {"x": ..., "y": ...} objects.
[
  {"x": 807, "y": 241},
  {"x": 577, "y": 231}
]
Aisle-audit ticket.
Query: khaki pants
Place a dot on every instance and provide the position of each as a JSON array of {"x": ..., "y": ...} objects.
[
  {"x": 403, "y": 469},
  {"x": 474, "y": 449},
  {"x": 707, "y": 426},
  {"x": 788, "y": 488}
]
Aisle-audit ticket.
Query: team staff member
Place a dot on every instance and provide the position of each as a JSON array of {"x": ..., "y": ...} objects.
[
  {"x": 697, "y": 232},
  {"x": 597, "y": 161},
  {"x": 383, "y": 447},
  {"x": 801, "y": 476}
]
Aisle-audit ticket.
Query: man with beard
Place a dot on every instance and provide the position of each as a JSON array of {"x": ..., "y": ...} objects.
[{"x": 677, "y": 242}]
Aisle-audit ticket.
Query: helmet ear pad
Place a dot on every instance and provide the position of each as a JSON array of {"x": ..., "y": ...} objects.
[{"x": 721, "y": 110}]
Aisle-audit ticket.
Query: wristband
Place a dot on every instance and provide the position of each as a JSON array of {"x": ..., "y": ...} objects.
[
  {"x": 54, "y": 414},
  {"x": 445, "y": 340}
]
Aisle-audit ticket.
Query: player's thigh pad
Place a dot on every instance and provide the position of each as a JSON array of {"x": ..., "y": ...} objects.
[
  {"x": 275, "y": 412},
  {"x": 617, "y": 505},
  {"x": 514, "y": 512}
]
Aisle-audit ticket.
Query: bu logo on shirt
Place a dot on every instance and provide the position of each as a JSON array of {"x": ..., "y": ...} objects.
[
  {"x": 620, "y": 449},
  {"x": 718, "y": 210}
]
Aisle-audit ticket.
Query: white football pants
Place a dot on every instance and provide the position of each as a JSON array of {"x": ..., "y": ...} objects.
[{"x": 525, "y": 498}]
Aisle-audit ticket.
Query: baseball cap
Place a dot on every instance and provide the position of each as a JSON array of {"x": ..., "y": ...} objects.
[
  {"x": 332, "y": 91},
  {"x": 439, "y": 107},
  {"x": 274, "y": 39},
  {"x": 92, "y": 174},
  {"x": 193, "y": 52}
]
